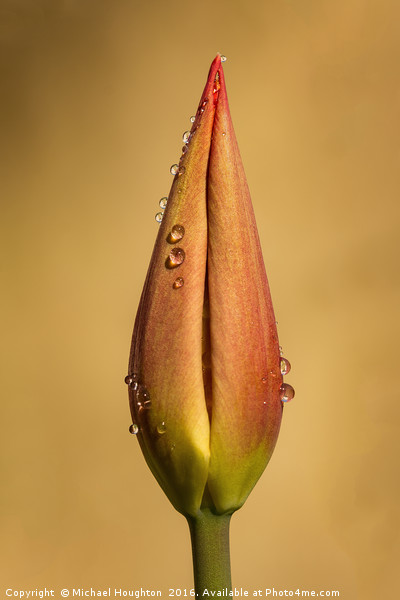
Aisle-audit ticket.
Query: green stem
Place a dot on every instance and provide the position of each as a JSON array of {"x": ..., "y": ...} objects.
[{"x": 210, "y": 546}]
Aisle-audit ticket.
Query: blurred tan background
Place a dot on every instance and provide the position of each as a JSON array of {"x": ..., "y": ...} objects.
[{"x": 94, "y": 98}]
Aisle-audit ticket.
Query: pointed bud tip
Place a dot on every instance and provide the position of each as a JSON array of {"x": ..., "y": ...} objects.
[
  {"x": 215, "y": 66},
  {"x": 216, "y": 63}
]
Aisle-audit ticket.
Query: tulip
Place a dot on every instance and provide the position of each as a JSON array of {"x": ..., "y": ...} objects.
[{"x": 205, "y": 382}]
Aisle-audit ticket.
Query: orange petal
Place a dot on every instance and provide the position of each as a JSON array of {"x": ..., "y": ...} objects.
[
  {"x": 166, "y": 350},
  {"x": 245, "y": 359}
]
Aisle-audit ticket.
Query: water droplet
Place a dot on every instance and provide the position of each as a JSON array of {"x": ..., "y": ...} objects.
[
  {"x": 192, "y": 119},
  {"x": 159, "y": 217},
  {"x": 285, "y": 366},
  {"x": 178, "y": 283},
  {"x": 175, "y": 258},
  {"x": 264, "y": 379},
  {"x": 129, "y": 379},
  {"x": 181, "y": 170},
  {"x": 286, "y": 392},
  {"x": 143, "y": 398},
  {"x": 172, "y": 447},
  {"x": 163, "y": 202},
  {"x": 177, "y": 232},
  {"x": 280, "y": 350},
  {"x": 223, "y": 58},
  {"x": 174, "y": 169},
  {"x": 203, "y": 105},
  {"x": 186, "y": 136},
  {"x": 133, "y": 429},
  {"x": 161, "y": 428},
  {"x": 184, "y": 149},
  {"x": 224, "y": 133},
  {"x": 146, "y": 403}
]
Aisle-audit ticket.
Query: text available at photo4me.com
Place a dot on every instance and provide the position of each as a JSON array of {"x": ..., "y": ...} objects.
[{"x": 119, "y": 593}]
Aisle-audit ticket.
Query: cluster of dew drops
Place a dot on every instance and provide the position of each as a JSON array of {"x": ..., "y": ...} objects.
[
  {"x": 177, "y": 255},
  {"x": 174, "y": 260},
  {"x": 142, "y": 402},
  {"x": 176, "y": 169},
  {"x": 286, "y": 391}
]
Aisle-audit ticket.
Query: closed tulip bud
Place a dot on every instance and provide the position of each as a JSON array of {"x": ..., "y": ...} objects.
[{"x": 205, "y": 368}]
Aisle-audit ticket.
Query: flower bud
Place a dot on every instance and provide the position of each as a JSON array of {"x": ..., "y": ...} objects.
[{"x": 204, "y": 370}]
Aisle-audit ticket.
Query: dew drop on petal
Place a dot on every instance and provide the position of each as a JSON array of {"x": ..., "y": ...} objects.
[
  {"x": 203, "y": 106},
  {"x": 143, "y": 398},
  {"x": 178, "y": 283},
  {"x": 174, "y": 169},
  {"x": 184, "y": 149},
  {"x": 161, "y": 428},
  {"x": 146, "y": 401},
  {"x": 177, "y": 232},
  {"x": 223, "y": 58},
  {"x": 163, "y": 202},
  {"x": 175, "y": 258},
  {"x": 134, "y": 429},
  {"x": 280, "y": 350},
  {"x": 186, "y": 136},
  {"x": 131, "y": 381},
  {"x": 286, "y": 392},
  {"x": 285, "y": 366},
  {"x": 181, "y": 170},
  {"x": 159, "y": 217},
  {"x": 192, "y": 119}
]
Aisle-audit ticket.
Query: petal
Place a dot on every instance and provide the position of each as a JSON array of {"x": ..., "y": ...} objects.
[
  {"x": 246, "y": 406},
  {"x": 166, "y": 349}
]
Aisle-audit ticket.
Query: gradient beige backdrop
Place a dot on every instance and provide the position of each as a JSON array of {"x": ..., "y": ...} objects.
[{"x": 94, "y": 98}]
